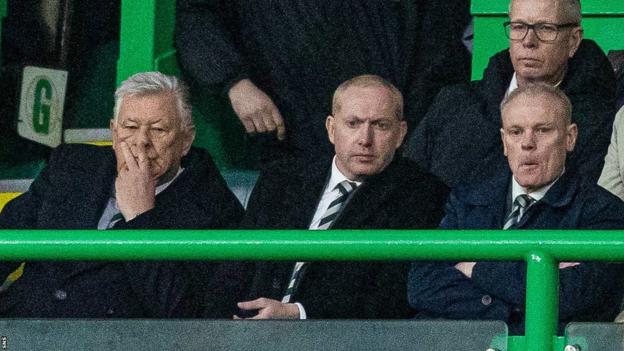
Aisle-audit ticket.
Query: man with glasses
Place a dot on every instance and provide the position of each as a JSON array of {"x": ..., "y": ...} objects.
[{"x": 458, "y": 138}]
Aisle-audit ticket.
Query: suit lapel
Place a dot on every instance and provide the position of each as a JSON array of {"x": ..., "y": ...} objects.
[
  {"x": 490, "y": 206},
  {"x": 368, "y": 198},
  {"x": 90, "y": 189},
  {"x": 304, "y": 194},
  {"x": 560, "y": 195}
]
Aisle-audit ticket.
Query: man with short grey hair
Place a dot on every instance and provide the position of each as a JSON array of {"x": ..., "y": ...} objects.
[
  {"x": 536, "y": 191},
  {"x": 458, "y": 138},
  {"x": 151, "y": 178}
]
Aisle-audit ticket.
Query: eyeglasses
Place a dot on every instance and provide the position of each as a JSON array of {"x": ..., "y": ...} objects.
[{"x": 545, "y": 32}]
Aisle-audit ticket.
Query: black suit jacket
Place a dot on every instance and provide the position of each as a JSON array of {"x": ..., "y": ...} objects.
[
  {"x": 286, "y": 197},
  {"x": 71, "y": 193}
]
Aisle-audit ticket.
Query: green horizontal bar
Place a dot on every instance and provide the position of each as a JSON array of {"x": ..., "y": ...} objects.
[{"x": 310, "y": 245}]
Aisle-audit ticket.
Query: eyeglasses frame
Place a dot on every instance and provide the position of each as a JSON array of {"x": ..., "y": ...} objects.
[{"x": 532, "y": 26}]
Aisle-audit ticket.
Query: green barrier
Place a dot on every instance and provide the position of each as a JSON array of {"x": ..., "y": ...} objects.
[
  {"x": 603, "y": 22},
  {"x": 541, "y": 249},
  {"x": 146, "y": 32}
]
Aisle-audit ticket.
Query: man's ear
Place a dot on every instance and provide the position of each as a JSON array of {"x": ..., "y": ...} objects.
[
  {"x": 403, "y": 132},
  {"x": 574, "y": 41},
  {"x": 502, "y": 134},
  {"x": 571, "y": 135},
  {"x": 189, "y": 137},
  {"x": 113, "y": 128},
  {"x": 331, "y": 127}
]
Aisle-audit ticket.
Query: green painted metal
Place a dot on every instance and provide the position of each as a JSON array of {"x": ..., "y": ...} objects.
[
  {"x": 603, "y": 21},
  {"x": 516, "y": 343},
  {"x": 542, "y": 306},
  {"x": 147, "y": 29},
  {"x": 561, "y": 245},
  {"x": 541, "y": 249},
  {"x": 137, "y": 46}
]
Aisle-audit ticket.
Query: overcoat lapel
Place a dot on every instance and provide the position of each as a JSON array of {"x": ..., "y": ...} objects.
[{"x": 304, "y": 194}]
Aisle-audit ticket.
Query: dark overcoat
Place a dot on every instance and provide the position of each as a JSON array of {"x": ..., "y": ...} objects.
[
  {"x": 588, "y": 292},
  {"x": 400, "y": 197},
  {"x": 459, "y": 138},
  {"x": 71, "y": 193}
]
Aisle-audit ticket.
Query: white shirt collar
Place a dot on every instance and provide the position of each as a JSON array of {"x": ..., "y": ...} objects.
[
  {"x": 337, "y": 177},
  {"x": 513, "y": 85},
  {"x": 517, "y": 189},
  {"x": 163, "y": 186}
]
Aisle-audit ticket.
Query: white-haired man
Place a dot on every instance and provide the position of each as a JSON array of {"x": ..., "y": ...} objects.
[{"x": 151, "y": 178}]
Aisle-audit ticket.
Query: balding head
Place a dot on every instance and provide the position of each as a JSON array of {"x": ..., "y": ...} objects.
[{"x": 365, "y": 81}]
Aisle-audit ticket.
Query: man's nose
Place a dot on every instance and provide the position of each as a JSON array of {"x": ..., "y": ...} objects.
[
  {"x": 142, "y": 137},
  {"x": 528, "y": 141},
  {"x": 530, "y": 39},
  {"x": 365, "y": 134}
]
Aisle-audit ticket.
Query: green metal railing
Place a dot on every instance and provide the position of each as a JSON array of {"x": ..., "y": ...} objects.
[{"x": 540, "y": 249}]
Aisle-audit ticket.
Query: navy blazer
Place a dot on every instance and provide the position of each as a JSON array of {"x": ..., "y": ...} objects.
[
  {"x": 588, "y": 291},
  {"x": 286, "y": 197},
  {"x": 71, "y": 193}
]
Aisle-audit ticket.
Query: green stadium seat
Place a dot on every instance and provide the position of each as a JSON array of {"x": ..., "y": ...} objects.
[{"x": 595, "y": 336}]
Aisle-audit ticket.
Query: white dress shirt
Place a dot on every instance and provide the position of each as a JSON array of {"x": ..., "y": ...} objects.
[
  {"x": 330, "y": 193},
  {"x": 517, "y": 190}
]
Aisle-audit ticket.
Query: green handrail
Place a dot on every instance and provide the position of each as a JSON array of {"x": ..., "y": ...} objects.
[{"x": 541, "y": 249}]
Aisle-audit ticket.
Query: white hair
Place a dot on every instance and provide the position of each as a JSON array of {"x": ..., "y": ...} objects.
[
  {"x": 569, "y": 10},
  {"x": 154, "y": 83}
]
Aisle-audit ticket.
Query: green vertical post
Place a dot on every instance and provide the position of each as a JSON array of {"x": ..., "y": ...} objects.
[
  {"x": 146, "y": 32},
  {"x": 542, "y": 302},
  {"x": 136, "y": 38}
]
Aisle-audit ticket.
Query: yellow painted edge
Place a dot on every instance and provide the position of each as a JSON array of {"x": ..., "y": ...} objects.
[
  {"x": 6, "y": 197},
  {"x": 99, "y": 143}
]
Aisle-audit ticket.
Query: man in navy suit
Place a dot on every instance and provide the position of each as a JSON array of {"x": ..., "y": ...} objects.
[
  {"x": 150, "y": 179},
  {"x": 364, "y": 186},
  {"x": 536, "y": 191}
]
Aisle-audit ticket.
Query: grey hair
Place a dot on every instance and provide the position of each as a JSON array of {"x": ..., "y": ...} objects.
[
  {"x": 534, "y": 90},
  {"x": 569, "y": 10},
  {"x": 154, "y": 83},
  {"x": 369, "y": 80}
]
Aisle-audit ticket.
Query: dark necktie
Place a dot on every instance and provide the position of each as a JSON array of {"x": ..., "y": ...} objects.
[
  {"x": 116, "y": 218},
  {"x": 345, "y": 188},
  {"x": 520, "y": 205}
]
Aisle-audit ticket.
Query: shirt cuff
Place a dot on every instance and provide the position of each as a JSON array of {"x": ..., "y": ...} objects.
[{"x": 302, "y": 312}]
